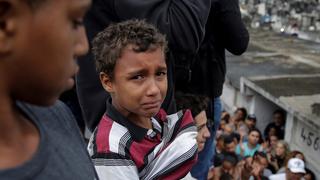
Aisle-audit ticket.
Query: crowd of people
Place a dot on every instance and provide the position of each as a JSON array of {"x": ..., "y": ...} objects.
[{"x": 243, "y": 152}]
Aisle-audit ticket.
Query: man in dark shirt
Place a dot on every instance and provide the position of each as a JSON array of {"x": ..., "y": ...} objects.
[
  {"x": 183, "y": 22},
  {"x": 224, "y": 31}
]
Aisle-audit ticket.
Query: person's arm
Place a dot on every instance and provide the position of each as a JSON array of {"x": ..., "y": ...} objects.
[
  {"x": 240, "y": 149},
  {"x": 234, "y": 35},
  {"x": 183, "y": 21}
]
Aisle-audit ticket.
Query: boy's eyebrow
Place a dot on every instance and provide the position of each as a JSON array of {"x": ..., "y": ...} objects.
[
  {"x": 140, "y": 71},
  {"x": 162, "y": 68},
  {"x": 144, "y": 71}
]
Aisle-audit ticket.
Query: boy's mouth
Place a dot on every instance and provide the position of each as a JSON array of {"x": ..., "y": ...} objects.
[{"x": 151, "y": 104}]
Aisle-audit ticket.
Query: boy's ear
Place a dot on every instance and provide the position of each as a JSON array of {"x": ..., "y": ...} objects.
[
  {"x": 6, "y": 25},
  {"x": 106, "y": 82}
]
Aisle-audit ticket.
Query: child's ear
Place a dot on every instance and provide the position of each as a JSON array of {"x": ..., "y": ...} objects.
[
  {"x": 6, "y": 25},
  {"x": 106, "y": 82}
]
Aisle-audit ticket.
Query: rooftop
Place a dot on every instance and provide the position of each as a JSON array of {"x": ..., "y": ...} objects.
[{"x": 283, "y": 69}]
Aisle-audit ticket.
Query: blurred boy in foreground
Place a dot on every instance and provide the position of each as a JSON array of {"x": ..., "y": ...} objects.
[{"x": 39, "y": 43}]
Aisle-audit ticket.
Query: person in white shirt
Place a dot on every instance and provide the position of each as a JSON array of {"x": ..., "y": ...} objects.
[{"x": 294, "y": 171}]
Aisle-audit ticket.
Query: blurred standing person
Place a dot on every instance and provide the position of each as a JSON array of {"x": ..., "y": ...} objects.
[
  {"x": 183, "y": 22},
  {"x": 39, "y": 137},
  {"x": 278, "y": 124},
  {"x": 224, "y": 31}
]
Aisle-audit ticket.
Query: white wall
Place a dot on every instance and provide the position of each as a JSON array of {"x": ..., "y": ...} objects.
[
  {"x": 253, "y": 102},
  {"x": 306, "y": 138},
  {"x": 263, "y": 109}
]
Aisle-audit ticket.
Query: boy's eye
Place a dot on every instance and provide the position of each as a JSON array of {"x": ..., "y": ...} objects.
[
  {"x": 137, "y": 77},
  {"x": 77, "y": 23},
  {"x": 161, "y": 73}
]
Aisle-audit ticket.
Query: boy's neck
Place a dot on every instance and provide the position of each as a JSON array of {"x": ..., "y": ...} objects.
[
  {"x": 141, "y": 121},
  {"x": 8, "y": 116},
  {"x": 19, "y": 138},
  {"x": 144, "y": 122}
]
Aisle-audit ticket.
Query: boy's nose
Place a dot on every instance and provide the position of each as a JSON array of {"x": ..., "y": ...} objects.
[
  {"x": 153, "y": 88},
  {"x": 81, "y": 45}
]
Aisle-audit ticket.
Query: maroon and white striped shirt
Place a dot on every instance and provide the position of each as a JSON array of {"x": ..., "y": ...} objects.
[{"x": 122, "y": 150}]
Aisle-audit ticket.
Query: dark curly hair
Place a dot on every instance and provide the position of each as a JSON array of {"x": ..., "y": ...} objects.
[
  {"x": 196, "y": 103},
  {"x": 244, "y": 112},
  {"x": 109, "y": 44}
]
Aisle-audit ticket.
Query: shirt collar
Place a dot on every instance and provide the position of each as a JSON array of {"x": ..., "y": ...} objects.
[{"x": 136, "y": 132}]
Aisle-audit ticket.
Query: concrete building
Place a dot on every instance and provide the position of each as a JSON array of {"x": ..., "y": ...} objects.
[{"x": 279, "y": 72}]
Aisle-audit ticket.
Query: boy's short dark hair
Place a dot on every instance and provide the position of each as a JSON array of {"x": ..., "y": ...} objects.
[
  {"x": 235, "y": 135},
  {"x": 228, "y": 139},
  {"x": 226, "y": 176},
  {"x": 230, "y": 157},
  {"x": 109, "y": 44},
  {"x": 196, "y": 103}
]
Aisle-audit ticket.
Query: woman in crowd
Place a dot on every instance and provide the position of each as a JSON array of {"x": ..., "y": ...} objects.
[{"x": 278, "y": 161}]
